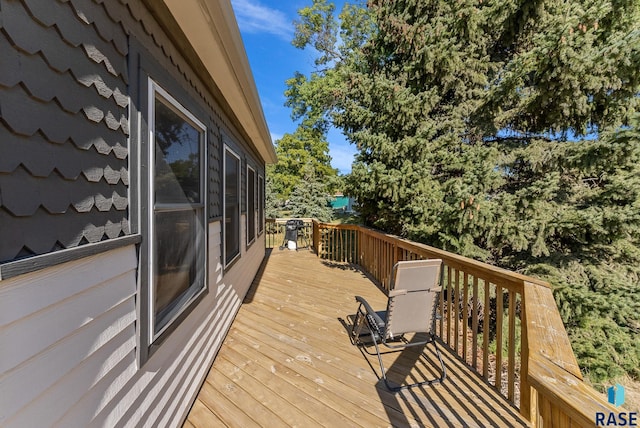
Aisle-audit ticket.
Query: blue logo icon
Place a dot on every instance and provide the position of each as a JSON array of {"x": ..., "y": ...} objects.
[{"x": 616, "y": 394}]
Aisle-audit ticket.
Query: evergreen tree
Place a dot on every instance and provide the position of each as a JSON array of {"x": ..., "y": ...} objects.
[
  {"x": 273, "y": 205},
  {"x": 502, "y": 131},
  {"x": 310, "y": 197}
]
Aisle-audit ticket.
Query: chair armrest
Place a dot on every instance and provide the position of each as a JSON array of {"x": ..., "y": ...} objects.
[
  {"x": 396, "y": 292},
  {"x": 370, "y": 312}
]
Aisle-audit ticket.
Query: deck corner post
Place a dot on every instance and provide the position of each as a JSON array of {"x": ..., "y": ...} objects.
[
  {"x": 528, "y": 395},
  {"x": 316, "y": 237}
]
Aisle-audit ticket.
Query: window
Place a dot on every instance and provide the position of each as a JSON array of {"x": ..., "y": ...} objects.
[
  {"x": 177, "y": 224},
  {"x": 260, "y": 204},
  {"x": 231, "y": 206},
  {"x": 251, "y": 205}
]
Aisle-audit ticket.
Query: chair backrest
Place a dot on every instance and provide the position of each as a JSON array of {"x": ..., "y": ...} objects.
[{"x": 415, "y": 286}]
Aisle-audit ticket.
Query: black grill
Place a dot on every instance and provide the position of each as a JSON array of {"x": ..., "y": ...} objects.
[{"x": 291, "y": 230}]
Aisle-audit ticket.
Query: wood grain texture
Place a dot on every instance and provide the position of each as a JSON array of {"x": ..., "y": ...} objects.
[
  {"x": 543, "y": 337},
  {"x": 573, "y": 402},
  {"x": 545, "y": 330},
  {"x": 287, "y": 361}
]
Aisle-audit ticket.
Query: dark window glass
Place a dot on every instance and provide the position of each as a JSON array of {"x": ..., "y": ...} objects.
[
  {"x": 179, "y": 261},
  {"x": 231, "y": 206},
  {"x": 178, "y": 223},
  {"x": 177, "y": 160},
  {"x": 251, "y": 205}
]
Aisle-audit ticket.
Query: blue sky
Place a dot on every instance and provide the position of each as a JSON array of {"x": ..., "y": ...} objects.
[{"x": 267, "y": 30}]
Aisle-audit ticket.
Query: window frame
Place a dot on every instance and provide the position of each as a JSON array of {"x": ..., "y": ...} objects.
[
  {"x": 227, "y": 150},
  {"x": 260, "y": 205},
  {"x": 251, "y": 214},
  {"x": 184, "y": 301}
]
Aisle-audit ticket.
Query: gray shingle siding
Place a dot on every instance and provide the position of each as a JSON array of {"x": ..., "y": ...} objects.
[
  {"x": 65, "y": 87},
  {"x": 63, "y": 130}
]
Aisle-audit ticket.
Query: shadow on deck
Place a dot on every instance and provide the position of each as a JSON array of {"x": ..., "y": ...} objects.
[{"x": 288, "y": 361}]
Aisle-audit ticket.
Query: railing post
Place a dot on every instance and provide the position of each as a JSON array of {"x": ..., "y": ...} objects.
[
  {"x": 527, "y": 395},
  {"x": 315, "y": 234}
]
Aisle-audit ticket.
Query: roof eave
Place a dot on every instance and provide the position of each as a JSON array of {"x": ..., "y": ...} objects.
[{"x": 210, "y": 39}]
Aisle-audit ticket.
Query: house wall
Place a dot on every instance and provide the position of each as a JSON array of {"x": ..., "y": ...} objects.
[
  {"x": 67, "y": 104},
  {"x": 68, "y": 337},
  {"x": 64, "y": 129},
  {"x": 72, "y": 257}
]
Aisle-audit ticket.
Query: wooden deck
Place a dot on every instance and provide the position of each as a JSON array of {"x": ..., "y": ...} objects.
[{"x": 288, "y": 361}]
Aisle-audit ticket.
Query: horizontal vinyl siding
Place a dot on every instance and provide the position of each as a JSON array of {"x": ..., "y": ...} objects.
[
  {"x": 161, "y": 393},
  {"x": 73, "y": 362},
  {"x": 63, "y": 330}
]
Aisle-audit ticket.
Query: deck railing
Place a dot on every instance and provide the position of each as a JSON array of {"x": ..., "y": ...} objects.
[
  {"x": 275, "y": 229},
  {"x": 503, "y": 324}
]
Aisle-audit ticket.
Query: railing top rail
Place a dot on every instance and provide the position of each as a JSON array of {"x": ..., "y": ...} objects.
[
  {"x": 284, "y": 220},
  {"x": 575, "y": 397},
  {"x": 338, "y": 226},
  {"x": 455, "y": 260},
  {"x": 546, "y": 335}
]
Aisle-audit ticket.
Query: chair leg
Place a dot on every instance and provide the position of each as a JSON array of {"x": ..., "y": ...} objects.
[
  {"x": 382, "y": 369},
  {"x": 359, "y": 321},
  {"x": 443, "y": 369},
  {"x": 440, "y": 379}
]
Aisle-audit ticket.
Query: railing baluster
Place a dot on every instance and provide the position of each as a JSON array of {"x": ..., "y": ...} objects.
[
  {"x": 333, "y": 244},
  {"x": 390, "y": 258},
  {"x": 465, "y": 315},
  {"x": 348, "y": 242},
  {"x": 456, "y": 311},
  {"x": 449, "y": 298},
  {"x": 347, "y": 250},
  {"x": 344, "y": 235},
  {"x": 512, "y": 347},
  {"x": 378, "y": 263},
  {"x": 499, "y": 317},
  {"x": 485, "y": 330},
  {"x": 383, "y": 263},
  {"x": 441, "y": 304},
  {"x": 474, "y": 325},
  {"x": 545, "y": 410}
]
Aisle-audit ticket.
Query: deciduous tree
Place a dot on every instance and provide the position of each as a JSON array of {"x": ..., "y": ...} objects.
[{"x": 306, "y": 146}]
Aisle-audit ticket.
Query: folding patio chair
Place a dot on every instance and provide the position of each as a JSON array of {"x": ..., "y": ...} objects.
[{"x": 411, "y": 308}]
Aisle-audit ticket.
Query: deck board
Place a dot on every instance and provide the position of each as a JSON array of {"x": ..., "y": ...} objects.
[{"x": 288, "y": 361}]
